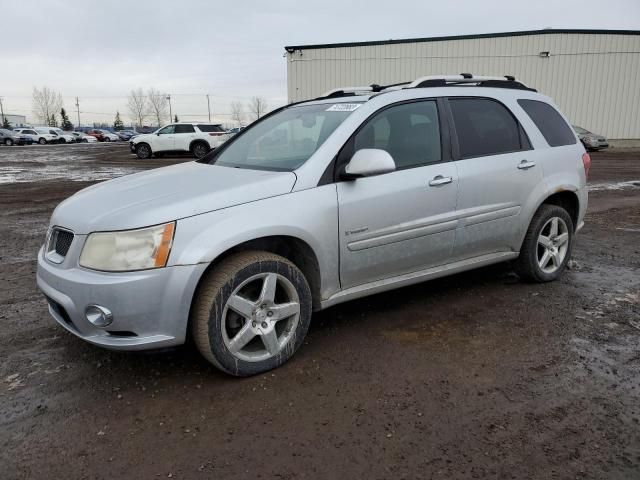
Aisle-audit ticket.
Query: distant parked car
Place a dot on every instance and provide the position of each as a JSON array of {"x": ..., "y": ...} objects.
[
  {"x": 63, "y": 137},
  {"x": 233, "y": 131},
  {"x": 126, "y": 135},
  {"x": 197, "y": 138},
  {"x": 591, "y": 141},
  {"x": 38, "y": 135},
  {"x": 8, "y": 138},
  {"x": 103, "y": 135},
  {"x": 82, "y": 137}
]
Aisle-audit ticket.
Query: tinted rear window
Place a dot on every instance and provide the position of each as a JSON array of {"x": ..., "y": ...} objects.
[
  {"x": 184, "y": 129},
  {"x": 485, "y": 127},
  {"x": 552, "y": 126},
  {"x": 210, "y": 128}
]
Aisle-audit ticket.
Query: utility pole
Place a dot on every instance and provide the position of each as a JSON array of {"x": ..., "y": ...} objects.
[
  {"x": 170, "y": 112},
  {"x": 1, "y": 111},
  {"x": 78, "y": 108},
  {"x": 209, "y": 108}
]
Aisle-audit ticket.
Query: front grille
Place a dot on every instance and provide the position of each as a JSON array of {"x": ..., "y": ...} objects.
[{"x": 62, "y": 242}]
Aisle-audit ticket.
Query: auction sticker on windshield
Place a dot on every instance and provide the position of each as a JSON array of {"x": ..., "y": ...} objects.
[{"x": 343, "y": 107}]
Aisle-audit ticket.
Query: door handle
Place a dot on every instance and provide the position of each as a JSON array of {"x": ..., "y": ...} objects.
[
  {"x": 525, "y": 165},
  {"x": 440, "y": 180}
]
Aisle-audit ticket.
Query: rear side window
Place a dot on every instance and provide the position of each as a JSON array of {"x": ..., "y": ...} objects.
[
  {"x": 184, "y": 129},
  {"x": 552, "y": 126},
  {"x": 485, "y": 127},
  {"x": 210, "y": 128}
]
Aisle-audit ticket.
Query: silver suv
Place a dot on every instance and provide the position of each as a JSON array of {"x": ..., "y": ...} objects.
[{"x": 360, "y": 191}]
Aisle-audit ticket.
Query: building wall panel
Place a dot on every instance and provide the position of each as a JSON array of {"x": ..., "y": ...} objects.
[{"x": 593, "y": 77}]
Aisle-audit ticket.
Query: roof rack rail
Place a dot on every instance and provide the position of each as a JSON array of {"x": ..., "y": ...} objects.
[
  {"x": 342, "y": 91},
  {"x": 506, "y": 81}
]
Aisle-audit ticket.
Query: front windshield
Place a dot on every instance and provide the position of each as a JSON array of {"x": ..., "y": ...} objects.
[
  {"x": 580, "y": 130},
  {"x": 285, "y": 140}
]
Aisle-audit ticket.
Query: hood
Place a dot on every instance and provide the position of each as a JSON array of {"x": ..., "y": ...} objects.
[
  {"x": 166, "y": 194},
  {"x": 142, "y": 136}
]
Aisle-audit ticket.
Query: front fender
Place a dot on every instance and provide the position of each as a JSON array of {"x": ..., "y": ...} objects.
[{"x": 309, "y": 215}]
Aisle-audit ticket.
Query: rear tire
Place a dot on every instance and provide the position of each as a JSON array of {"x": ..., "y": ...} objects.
[
  {"x": 251, "y": 313},
  {"x": 143, "y": 151},
  {"x": 8, "y": 142},
  {"x": 547, "y": 246},
  {"x": 107, "y": 139},
  {"x": 42, "y": 141},
  {"x": 200, "y": 149}
]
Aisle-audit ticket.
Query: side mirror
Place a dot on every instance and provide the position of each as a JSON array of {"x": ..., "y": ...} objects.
[{"x": 368, "y": 162}]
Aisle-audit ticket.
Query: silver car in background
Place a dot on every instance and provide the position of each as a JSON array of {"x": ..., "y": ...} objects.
[
  {"x": 591, "y": 141},
  {"x": 360, "y": 191}
]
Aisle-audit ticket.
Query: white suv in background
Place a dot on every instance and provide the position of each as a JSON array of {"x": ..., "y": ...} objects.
[
  {"x": 40, "y": 135},
  {"x": 197, "y": 138}
]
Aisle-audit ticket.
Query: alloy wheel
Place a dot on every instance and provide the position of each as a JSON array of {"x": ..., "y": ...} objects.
[
  {"x": 260, "y": 317},
  {"x": 199, "y": 150},
  {"x": 553, "y": 243}
]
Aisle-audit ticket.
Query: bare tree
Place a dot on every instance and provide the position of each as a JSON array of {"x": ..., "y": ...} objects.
[
  {"x": 138, "y": 106},
  {"x": 158, "y": 104},
  {"x": 46, "y": 102},
  {"x": 257, "y": 107},
  {"x": 237, "y": 113}
]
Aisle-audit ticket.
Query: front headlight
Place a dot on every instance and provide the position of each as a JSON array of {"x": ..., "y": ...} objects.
[{"x": 128, "y": 250}]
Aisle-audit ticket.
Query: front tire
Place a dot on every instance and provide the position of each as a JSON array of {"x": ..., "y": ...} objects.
[
  {"x": 547, "y": 246},
  {"x": 42, "y": 141},
  {"x": 251, "y": 313},
  {"x": 8, "y": 142},
  {"x": 143, "y": 151}
]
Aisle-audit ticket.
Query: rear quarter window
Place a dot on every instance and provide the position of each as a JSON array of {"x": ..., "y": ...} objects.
[
  {"x": 210, "y": 128},
  {"x": 550, "y": 123}
]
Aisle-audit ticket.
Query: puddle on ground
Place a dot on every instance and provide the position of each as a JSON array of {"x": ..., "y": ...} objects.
[
  {"x": 29, "y": 165},
  {"x": 599, "y": 187}
]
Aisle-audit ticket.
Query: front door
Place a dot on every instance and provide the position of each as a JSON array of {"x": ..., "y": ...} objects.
[
  {"x": 165, "y": 139},
  {"x": 403, "y": 221}
]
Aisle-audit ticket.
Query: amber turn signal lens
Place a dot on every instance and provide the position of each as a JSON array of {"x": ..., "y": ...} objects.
[{"x": 162, "y": 254}]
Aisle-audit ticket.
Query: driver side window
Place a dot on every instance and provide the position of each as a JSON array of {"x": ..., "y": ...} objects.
[
  {"x": 409, "y": 132},
  {"x": 167, "y": 130}
]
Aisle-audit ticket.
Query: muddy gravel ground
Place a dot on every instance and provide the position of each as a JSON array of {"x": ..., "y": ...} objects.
[{"x": 472, "y": 376}]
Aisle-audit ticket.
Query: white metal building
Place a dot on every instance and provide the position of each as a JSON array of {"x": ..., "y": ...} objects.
[
  {"x": 15, "y": 120},
  {"x": 593, "y": 75}
]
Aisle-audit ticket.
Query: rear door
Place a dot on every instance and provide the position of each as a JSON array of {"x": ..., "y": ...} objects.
[
  {"x": 403, "y": 221},
  {"x": 497, "y": 172},
  {"x": 184, "y": 135}
]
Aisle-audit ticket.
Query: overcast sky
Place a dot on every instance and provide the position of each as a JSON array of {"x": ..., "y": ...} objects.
[{"x": 231, "y": 50}]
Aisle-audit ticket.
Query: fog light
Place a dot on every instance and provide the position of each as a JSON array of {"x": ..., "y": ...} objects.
[{"x": 98, "y": 316}]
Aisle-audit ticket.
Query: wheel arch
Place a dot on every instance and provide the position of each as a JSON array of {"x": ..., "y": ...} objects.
[
  {"x": 294, "y": 249},
  {"x": 198, "y": 140},
  {"x": 566, "y": 198}
]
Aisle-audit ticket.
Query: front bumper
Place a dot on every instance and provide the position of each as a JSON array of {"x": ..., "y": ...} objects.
[{"x": 150, "y": 308}]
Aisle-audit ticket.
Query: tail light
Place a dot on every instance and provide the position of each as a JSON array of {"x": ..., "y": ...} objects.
[
  {"x": 586, "y": 161},
  {"x": 216, "y": 134}
]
